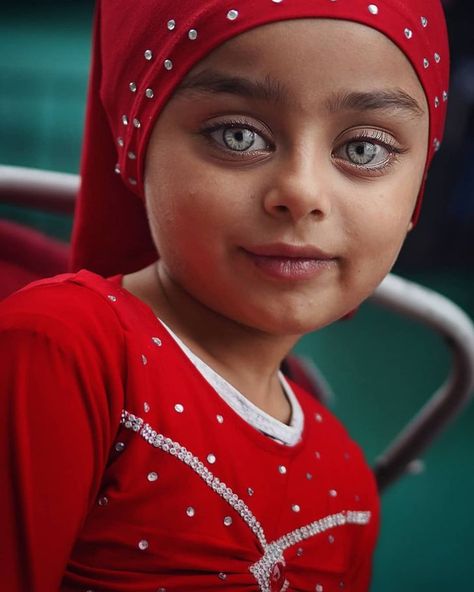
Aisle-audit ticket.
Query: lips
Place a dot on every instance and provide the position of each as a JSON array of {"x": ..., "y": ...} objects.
[{"x": 290, "y": 262}]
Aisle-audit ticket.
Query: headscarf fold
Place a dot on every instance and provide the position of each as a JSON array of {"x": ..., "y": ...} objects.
[{"x": 142, "y": 50}]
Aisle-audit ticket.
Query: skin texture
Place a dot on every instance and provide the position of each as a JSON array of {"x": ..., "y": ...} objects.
[{"x": 212, "y": 208}]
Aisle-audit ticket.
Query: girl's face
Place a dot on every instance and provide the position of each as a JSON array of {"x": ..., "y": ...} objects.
[{"x": 282, "y": 175}]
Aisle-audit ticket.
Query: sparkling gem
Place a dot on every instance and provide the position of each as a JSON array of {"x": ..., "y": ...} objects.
[
  {"x": 179, "y": 408},
  {"x": 373, "y": 9},
  {"x": 168, "y": 64},
  {"x": 295, "y": 508},
  {"x": 277, "y": 1},
  {"x": 112, "y": 298},
  {"x": 119, "y": 446},
  {"x": 192, "y": 34},
  {"x": 436, "y": 144},
  {"x": 299, "y": 552},
  {"x": 319, "y": 588},
  {"x": 221, "y": 575},
  {"x": 120, "y": 142},
  {"x": 149, "y": 93},
  {"x": 103, "y": 501},
  {"x": 136, "y": 123},
  {"x": 190, "y": 511},
  {"x": 132, "y": 86},
  {"x": 132, "y": 181},
  {"x": 227, "y": 521},
  {"x": 124, "y": 120},
  {"x": 117, "y": 169},
  {"x": 426, "y": 63},
  {"x": 250, "y": 491},
  {"x": 220, "y": 419},
  {"x": 424, "y": 21},
  {"x": 408, "y": 33},
  {"x": 143, "y": 545},
  {"x": 156, "y": 341},
  {"x": 171, "y": 24},
  {"x": 144, "y": 360},
  {"x": 309, "y": 476},
  {"x": 333, "y": 493},
  {"x": 331, "y": 539},
  {"x": 282, "y": 469},
  {"x": 318, "y": 417},
  {"x": 436, "y": 102},
  {"x": 131, "y": 155},
  {"x": 148, "y": 54},
  {"x": 437, "y": 58},
  {"x": 232, "y": 14},
  {"x": 211, "y": 458},
  {"x": 146, "y": 407},
  {"x": 152, "y": 476},
  {"x": 445, "y": 96}
]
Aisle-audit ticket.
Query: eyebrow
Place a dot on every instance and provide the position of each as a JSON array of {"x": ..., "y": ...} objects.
[{"x": 271, "y": 90}]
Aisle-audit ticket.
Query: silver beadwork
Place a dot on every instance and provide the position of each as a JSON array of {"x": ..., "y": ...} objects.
[
  {"x": 179, "y": 408},
  {"x": 143, "y": 545},
  {"x": 148, "y": 54},
  {"x": 136, "y": 123},
  {"x": 168, "y": 64},
  {"x": 408, "y": 33},
  {"x": 152, "y": 476},
  {"x": 192, "y": 34},
  {"x": 149, "y": 93},
  {"x": 132, "y": 86},
  {"x": 232, "y": 14},
  {"x": 227, "y": 521},
  {"x": 131, "y": 155},
  {"x": 171, "y": 24},
  {"x": 436, "y": 144},
  {"x": 373, "y": 9}
]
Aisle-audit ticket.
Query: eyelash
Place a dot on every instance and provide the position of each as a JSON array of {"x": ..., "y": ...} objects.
[{"x": 377, "y": 137}]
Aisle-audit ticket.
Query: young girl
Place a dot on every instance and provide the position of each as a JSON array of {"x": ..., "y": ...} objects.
[{"x": 273, "y": 152}]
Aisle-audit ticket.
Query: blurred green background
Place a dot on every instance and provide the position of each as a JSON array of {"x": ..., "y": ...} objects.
[{"x": 381, "y": 368}]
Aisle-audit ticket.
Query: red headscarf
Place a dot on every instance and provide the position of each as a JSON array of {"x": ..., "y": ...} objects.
[{"x": 142, "y": 51}]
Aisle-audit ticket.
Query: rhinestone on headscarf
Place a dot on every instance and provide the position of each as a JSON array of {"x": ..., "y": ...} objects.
[
  {"x": 168, "y": 64},
  {"x": 103, "y": 501},
  {"x": 373, "y": 9},
  {"x": 445, "y": 96},
  {"x": 408, "y": 33},
  {"x": 179, "y": 408},
  {"x": 190, "y": 511},
  {"x": 124, "y": 120},
  {"x": 132, "y": 181},
  {"x": 156, "y": 341},
  {"x": 221, "y": 575},
  {"x": 211, "y": 458},
  {"x": 146, "y": 407},
  {"x": 120, "y": 142},
  {"x": 333, "y": 493},
  {"x": 295, "y": 508},
  {"x": 424, "y": 21},
  {"x": 149, "y": 93},
  {"x": 227, "y": 521},
  {"x": 143, "y": 545},
  {"x": 426, "y": 63},
  {"x": 132, "y": 86},
  {"x": 437, "y": 58},
  {"x": 112, "y": 298},
  {"x": 119, "y": 446},
  {"x": 171, "y": 24},
  {"x": 136, "y": 123},
  {"x": 436, "y": 102},
  {"x": 117, "y": 169},
  {"x": 192, "y": 34},
  {"x": 144, "y": 360},
  {"x": 331, "y": 539},
  {"x": 232, "y": 14},
  {"x": 220, "y": 419},
  {"x": 319, "y": 588},
  {"x": 148, "y": 54},
  {"x": 152, "y": 476},
  {"x": 282, "y": 470},
  {"x": 131, "y": 155}
]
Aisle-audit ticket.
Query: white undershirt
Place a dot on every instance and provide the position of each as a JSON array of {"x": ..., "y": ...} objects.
[{"x": 253, "y": 415}]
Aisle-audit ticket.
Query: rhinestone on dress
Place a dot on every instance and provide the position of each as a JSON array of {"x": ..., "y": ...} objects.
[
  {"x": 282, "y": 469},
  {"x": 190, "y": 511},
  {"x": 119, "y": 446},
  {"x": 192, "y": 34},
  {"x": 156, "y": 341},
  {"x": 152, "y": 476},
  {"x": 373, "y": 9},
  {"x": 408, "y": 33},
  {"x": 179, "y": 408},
  {"x": 148, "y": 54},
  {"x": 132, "y": 86},
  {"x": 143, "y": 545},
  {"x": 211, "y": 459},
  {"x": 149, "y": 93},
  {"x": 220, "y": 419},
  {"x": 103, "y": 501},
  {"x": 146, "y": 407},
  {"x": 227, "y": 521},
  {"x": 295, "y": 508},
  {"x": 232, "y": 14},
  {"x": 168, "y": 64},
  {"x": 171, "y": 24}
]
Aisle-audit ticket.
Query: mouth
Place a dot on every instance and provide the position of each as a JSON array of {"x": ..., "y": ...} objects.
[{"x": 290, "y": 262}]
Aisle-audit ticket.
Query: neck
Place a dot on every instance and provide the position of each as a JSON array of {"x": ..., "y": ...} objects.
[{"x": 246, "y": 357}]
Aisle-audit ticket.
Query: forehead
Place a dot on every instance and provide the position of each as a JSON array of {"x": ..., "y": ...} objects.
[{"x": 313, "y": 55}]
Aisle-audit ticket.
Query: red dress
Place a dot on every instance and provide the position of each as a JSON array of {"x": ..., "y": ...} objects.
[{"x": 125, "y": 471}]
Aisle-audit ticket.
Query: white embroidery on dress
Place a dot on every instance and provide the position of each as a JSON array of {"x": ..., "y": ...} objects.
[{"x": 273, "y": 552}]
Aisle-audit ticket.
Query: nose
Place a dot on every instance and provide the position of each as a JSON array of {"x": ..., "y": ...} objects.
[{"x": 298, "y": 189}]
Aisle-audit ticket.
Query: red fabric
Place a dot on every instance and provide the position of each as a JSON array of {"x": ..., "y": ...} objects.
[
  {"x": 74, "y": 506},
  {"x": 111, "y": 233}
]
